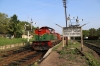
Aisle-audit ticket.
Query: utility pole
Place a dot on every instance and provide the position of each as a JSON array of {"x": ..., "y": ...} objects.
[
  {"x": 77, "y": 21},
  {"x": 70, "y": 18},
  {"x": 78, "y": 25},
  {"x": 82, "y": 37},
  {"x": 31, "y": 24},
  {"x": 28, "y": 29},
  {"x": 62, "y": 34},
  {"x": 70, "y": 24},
  {"x": 64, "y": 4},
  {"x": 27, "y": 33}
]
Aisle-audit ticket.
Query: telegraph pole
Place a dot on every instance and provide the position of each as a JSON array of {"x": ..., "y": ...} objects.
[
  {"x": 64, "y": 4},
  {"x": 28, "y": 29},
  {"x": 82, "y": 37},
  {"x": 62, "y": 34},
  {"x": 77, "y": 24},
  {"x": 27, "y": 32}
]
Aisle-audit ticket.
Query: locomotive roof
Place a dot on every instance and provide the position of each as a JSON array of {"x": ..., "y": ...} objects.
[{"x": 46, "y": 27}]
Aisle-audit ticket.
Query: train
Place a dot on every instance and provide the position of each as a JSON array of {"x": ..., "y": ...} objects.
[{"x": 44, "y": 38}]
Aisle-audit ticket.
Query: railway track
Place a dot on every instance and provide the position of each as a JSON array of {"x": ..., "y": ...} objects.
[
  {"x": 14, "y": 51},
  {"x": 20, "y": 57},
  {"x": 92, "y": 46},
  {"x": 82, "y": 54},
  {"x": 13, "y": 57},
  {"x": 28, "y": 60}
]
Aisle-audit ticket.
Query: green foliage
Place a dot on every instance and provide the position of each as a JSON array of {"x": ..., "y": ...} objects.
[
  {"x": 3, "y": 29},
  {"x": 68, "y": 50},
  {"x": 70, "y": 53},
  {"x": 85, "y": 33},
  {"x": 73, "y": 51},
  {"x": 22, "y": 25},
  {"x": 73, "y": 55},
  {"x": 92, "y": 60},
  {"x": 4, "y": 20},
  {"x": 15, "y": 27},
  {"x": 98, "y": 32},
  {"x": 73, "y": 44},
  {"x": 92, "y": 32},
  {"x": 62, "y": 52}
]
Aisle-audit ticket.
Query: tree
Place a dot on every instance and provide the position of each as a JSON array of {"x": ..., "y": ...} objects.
[
  {"x": 4, "y": 21},
  {"x": 27, "y": 27},
  {"x": 98, "y": 32},
  {"x": 85, "y": 33},
  {"x": 92, "y": 32},
  {"x": 15, "y": 27}
]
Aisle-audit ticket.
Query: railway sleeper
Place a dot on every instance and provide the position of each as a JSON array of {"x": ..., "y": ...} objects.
[
  {"x": 14, "y": 64},
  {"x": 25, "y": 58},
  {"x": 22, "y": 60},
  {"x": 95, "y": 48},
  {"x": 79, "y": 52},
  {"x": 19, "y": 61}
]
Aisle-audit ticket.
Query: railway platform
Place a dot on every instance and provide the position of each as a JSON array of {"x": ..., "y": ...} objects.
[{"x": 64, "y": 58}]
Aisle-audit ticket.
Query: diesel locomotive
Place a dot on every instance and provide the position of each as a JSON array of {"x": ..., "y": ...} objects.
[{"x": 45, "y": 38}]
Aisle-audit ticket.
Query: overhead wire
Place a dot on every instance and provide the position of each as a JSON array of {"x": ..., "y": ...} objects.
[
  {"x": 27, "y": 6},
  {"x": 35, "y": 9}
]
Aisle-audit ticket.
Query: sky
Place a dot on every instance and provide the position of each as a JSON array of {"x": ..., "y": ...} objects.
[{"x": 48, "y": 12}]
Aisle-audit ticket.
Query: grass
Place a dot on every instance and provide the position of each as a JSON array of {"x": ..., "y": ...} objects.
[
  {"x": 72, "y": 44},
  {"x": 92, "y": 60},
  {"x": 71, "y": 54},
  {"x": 6, "y": 41},
  {"x": 93, "y": 41},
  {"x": 68, "y": 50}
]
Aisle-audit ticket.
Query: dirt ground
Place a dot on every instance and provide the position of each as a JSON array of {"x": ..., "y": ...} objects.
[{"x": 54, "y": 59}]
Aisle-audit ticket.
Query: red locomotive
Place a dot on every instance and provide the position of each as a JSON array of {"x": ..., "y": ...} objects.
[{"x": 45, "y": 38}]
